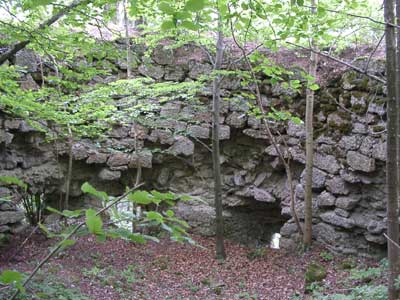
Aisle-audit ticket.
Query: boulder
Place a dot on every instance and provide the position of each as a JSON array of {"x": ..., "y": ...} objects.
[
  {"x": 342, "y": 213},
  {"x": 163, "y": 55},
  {"x": 347, "y": 203},
  {"x": 142, "y": 158},
  {"x": 376, "y": 227},
  {"x": 333, "y": 219},
  {"x": 326, "y": 163},
  {"x": 152, "y": 71},
  {"x": 236, "y": 119},
  {"x": 350, "y": 142},
  {"x": 318, "y": 178},
  {"x": 175, "y": 73},
  {"x": 10, "y": 217},
  {"x": 263, "y": 195},
  {"x": 109, "y": 175},
  {"x": 360, "y": 162},
  {"x": 97, "y": 158},
  {"x": 379, "y": 151},
  {"x": 118, "y": 159},
  {"x": 337, "y": 186},
  {"x": 325, "y": 199},
  {"x": 197, "y": 69},
  {"x": 296, "y": 130},
  {"x": 224, "y": 132},
  {"x": 182, "y": 146},
  {"x": 27, "y": 59},
  {"x": 200, "y": 132}
]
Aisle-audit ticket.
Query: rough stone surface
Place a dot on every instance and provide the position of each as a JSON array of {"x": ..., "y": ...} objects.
[
  {"x": 172, "y": 147},
  {"x": 326, "y": 199},
  {"x": 334, "y": 219},
  {"x": 337, "y": 186},
  {"x": 360, "y": 162},
  {"x": 346, "y": 203},
  {"x": 327, "y": 163},
  {"x": 11, "y": 217},
  {"x": 182, "y": 146},
  {"x": 109, "y": 175}
]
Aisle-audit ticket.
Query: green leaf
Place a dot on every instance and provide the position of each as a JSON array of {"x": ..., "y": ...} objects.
[
  {"x": 169, "y": 213},
  {"x": 141, "y": 197},
  {"x": 185, "y": 198},
  {"x": 166, "y": 8},
  {"x": 88, "y": 189},
  {"x": 30, "y": 4},
  {"x": 8, "y": 277},
  {"x": 94, "y": 223},
  {"x": 11, "y": 180},
  {"x": 195, "y": 5},
  {"x": 67, "y": 243},
  {"x": 133, "y": 8},
  {"x": 167, "y": 25},
  {"x": 155, "y": 216},
  {"x": 190, "y": 25},
  {"x": 66, "y": 213},
  {"x": 137, "y": 238},
  {"x": 314, "y": 87},
  {"x": 181, "y": 15}
]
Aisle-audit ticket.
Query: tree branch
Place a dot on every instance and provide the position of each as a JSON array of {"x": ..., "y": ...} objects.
[
  {"x": 21, "y": 45},
  {"x": 340, "y": 61},
  {"x": 60, "y": 244},
  {"x": 357, "y": 16}
]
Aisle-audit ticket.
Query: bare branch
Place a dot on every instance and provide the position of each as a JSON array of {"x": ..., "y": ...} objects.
[
  {"x": 341, "y": 62},
  {"x": 373, "y": 52},
  {"x": 21, "y": 45},
  {"x": 357, "y": 16}
]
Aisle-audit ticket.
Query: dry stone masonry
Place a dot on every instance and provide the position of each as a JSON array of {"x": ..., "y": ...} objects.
[{"x": 348, "y": 180}]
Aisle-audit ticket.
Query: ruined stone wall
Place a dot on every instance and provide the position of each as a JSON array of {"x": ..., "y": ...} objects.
[{"x": 349, "y": 179}]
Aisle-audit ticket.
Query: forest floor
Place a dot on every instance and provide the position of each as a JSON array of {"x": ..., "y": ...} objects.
[{"x": 119, "y": 270}]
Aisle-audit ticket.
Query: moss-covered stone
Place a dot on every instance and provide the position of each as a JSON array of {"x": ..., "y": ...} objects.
[
  {"x": 4, "y": 239},
  {"x": 348, "y": 264},
  {"x": 378, "y": 128},
  {"x": 315, "y": 272}
]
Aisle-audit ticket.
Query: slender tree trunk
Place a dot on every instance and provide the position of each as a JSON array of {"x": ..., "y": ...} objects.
[
  {"x": 307, "y": 237},
  {"x": 220, "y": 249},
  {"x": 127, "y": 42},
  {"x": 398, "y": 93},
  {"x": 69, "y": 171},
  {"x": 391, "y": 161}
]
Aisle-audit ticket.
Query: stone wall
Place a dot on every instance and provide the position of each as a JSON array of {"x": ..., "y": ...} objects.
[
  {"x": 11, "y": 218},
  {"x": 349, "y": 179}
]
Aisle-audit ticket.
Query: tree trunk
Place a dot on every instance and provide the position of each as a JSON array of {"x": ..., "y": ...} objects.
[
  {"x": 220, "y": 249},
  {"x": 21, "y": 45},
  {"x": 127, "y": 42},
  {"x": 307, "y": 237},
  {"x": 391, "y": 162}
]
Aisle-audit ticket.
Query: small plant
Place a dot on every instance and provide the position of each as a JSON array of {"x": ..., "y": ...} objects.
[
  {"x": 256, "y": 253},
  {"x": 348, "y": 264},
  {"x": 246, "y": 296},
  {"x": 33, "y": 203},
  {"x": 366, "y": 275},
  {"x": 326, "y": 256}
]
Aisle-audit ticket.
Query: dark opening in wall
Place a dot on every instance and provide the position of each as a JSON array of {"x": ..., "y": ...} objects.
[{"x": 256, "y": 224}]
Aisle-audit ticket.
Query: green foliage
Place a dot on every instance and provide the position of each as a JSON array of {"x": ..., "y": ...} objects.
[
  {"x": 13, "y": 181},
  {"x": 47, "y": 287},
  {"x": 13, "y": 278},
  {"x": 94, "y": 224},
  {"x": 33, "y": 204},
  {"x": 326, "y": 256},
  {"x": 256, "y": 253},
  {"x": 88, "y": 189}
]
